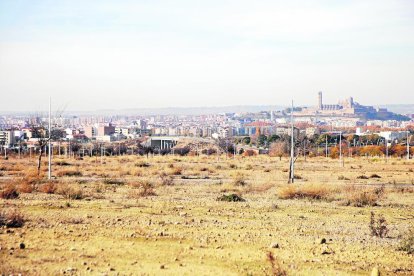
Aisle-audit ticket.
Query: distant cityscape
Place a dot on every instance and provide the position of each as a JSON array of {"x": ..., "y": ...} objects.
[{"x": 348, "y": 116}]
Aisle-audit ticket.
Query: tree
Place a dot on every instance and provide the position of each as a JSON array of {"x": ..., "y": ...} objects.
[
  {"x": 42, "y": 140},
  {"x": 278, "y": 149},
  {"x": 246, "y": 140},
  {"x": 262, "y": 140},
  {"x": 273, "y": 138}
]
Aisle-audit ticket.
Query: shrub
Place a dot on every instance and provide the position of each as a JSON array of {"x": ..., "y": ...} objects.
[
  {"x": 62, "y": 163},
  {"x": 233, "y": 166},
  {"x": 11, "y": 218},
  {"x": 378, "y": 227},
  {"x": 111, "y": 181},
  {"x": 48, "y": 188},
  {"x": 249, "y": 152},
  {"x": 341, "y": 177},
  {"x": 177, "y": 171},
  {"x": 144, "y": 189},
  {"x": 407, "y": 243},
  {"x": 9, "y": 192},
  {"x": 277, "y": 270},
  {"x": 231, "y": 198},
  {"x": 69, "y": 172},
  {"x": 364, "y": 196},
  {"x": 239, "y": 180},
  {"x": 362, "y": 177},
  {"x": 182, "y": 151},
  {"x": 25, "y": 187},
  {"x": 142, "y": 164},
  {"x": 375, "y": 176},
  {"x": 311, "y": 191},
  {"x": 166, "y": 180},
  {"x": 69, "y": 192}
]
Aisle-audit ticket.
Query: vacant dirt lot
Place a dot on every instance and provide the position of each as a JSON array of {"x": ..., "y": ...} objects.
[{"x": 160, "y": 215}]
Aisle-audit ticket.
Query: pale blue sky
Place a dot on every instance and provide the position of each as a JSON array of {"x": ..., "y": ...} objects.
[{"x": 123, "y": 54}]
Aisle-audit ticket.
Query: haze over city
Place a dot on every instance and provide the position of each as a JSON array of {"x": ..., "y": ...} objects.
[{"x": 91, "y": 55}]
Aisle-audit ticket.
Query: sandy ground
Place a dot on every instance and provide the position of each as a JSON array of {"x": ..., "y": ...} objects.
[{"x": 184, "y": 230}]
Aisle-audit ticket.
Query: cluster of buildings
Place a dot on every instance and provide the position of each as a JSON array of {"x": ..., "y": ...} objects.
[{"x": 344, "y": 115}]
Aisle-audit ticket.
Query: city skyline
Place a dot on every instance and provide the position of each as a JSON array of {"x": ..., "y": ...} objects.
[{"x": 104, "y": 55}]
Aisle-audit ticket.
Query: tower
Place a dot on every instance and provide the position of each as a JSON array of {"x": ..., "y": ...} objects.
[{"x": 320, "y": 105}]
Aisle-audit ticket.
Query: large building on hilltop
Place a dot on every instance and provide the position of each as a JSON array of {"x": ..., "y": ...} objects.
[{"x": 346, "y": 108}]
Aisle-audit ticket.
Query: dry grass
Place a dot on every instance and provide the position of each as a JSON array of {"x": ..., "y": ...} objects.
[
  {"x": 69, "y": 172},
  {"x": 11, "y": 218},
  {"x": 239, "y": 180},
  {"x": 48, "y": 187},
  {"x": 360, "y": 197},
  {"x": 69, "y": 191},
  {"x": 310, "y": 191},
  {"x": 186, "y": 230},
  {"x": 276, "y": 269},
  {"x": 143, "y": 188},
  {"x": 9, "y": 192}
]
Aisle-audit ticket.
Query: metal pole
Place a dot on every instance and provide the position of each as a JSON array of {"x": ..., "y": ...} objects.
[
  {"x": 292, "y": 149},
  {"x": 50, "y": 136},
  {"x": 408, "y": 146},
  {"x": 340, "y": 149},
  {"x": 326, "y": 145}
]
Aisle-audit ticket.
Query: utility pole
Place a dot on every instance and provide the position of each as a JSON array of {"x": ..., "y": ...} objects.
[
  {"x": 50, "y": 143},
  {"x": 326, "y": 145},
  {"x": 408, "y": 145},
  {"x": 386, "y": 150},
  {"x": 340, "y": 149},
  {"x": 292, "y": 150}
]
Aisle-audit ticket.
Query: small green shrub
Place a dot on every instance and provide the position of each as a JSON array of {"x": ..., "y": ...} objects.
[{"x": 231, "y": 198}]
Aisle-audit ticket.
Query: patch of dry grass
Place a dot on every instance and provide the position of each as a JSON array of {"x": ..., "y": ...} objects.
[
  {"x": 11, "y": 218},
  {"x": 363, "y": 196},
  {"x": 9, "y": 191},
  {"x": 310, "y": 191},
  {"x": 69, "y": 191},
  {"x": 69, "y": 172}
]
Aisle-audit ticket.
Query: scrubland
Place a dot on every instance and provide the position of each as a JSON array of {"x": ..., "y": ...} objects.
[{"x": 200, "y": 215}]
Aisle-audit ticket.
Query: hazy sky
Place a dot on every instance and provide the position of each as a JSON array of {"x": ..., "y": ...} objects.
[{"x": 122, "y": 54}]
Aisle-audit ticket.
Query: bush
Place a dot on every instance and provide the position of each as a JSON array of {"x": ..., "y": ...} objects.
[
  {"x": 182, "y": 151},
  {"x": 177, "y": 171},
  {"x": 375, "y": 176},
  {"x": 25, "y": 187},
  {"x": 144, "y": 189},
  {"x": 9, "y": 192},
  {"x": 249, "y": 152},
  {"x": 277, "y": 270},
  {"x": 11, "y": 218},
  {"x": 239, "y": 180},
  {"x": 166, "y": 180},
  {"x": 69, "y": 172},
  {"x": 69, "y": 192},
  {"x": 48, "y": 188},
  {"x": 311, "y": 191},
  {"x": 142, "y": 164},
  {"x": 62, "y": 163},
  {"x": 111, "y": 181},
  {"x": 362, "y": 177},
  {"x": 231, "y": 198},
  {"x": 364, "y": 196},
  {"x": 407, "y": 243},
  {"x": 378, "y": 227}
]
